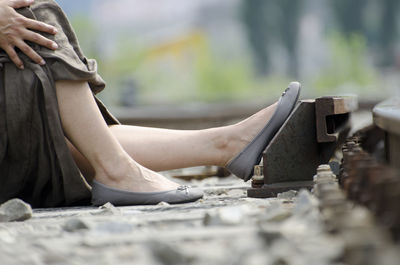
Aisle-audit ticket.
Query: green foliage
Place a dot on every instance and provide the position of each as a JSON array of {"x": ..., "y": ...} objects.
[
  {"x": 128, "y": 56},
  {"x": 166, "y": 79},
  {"x": 87, "y": 34},
  {"x": 348, "y": 69},
  {"x": 202, "y": 75},
  {"x": 218, "y": 79}
]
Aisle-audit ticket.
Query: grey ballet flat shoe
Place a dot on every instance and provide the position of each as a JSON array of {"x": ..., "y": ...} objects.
[
  {"x": 242, "y": 165},
  {"x": 102, "y": 194}
]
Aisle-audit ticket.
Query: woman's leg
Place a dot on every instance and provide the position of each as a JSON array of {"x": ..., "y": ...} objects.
[
  {"x": 164, "y": 149},
  {"x": 86, "y": 129}
]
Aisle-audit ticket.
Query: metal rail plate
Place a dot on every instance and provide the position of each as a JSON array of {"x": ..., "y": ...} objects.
[
  {"x": 331, "y": 114},
  {"x": 290, "y": 159}
]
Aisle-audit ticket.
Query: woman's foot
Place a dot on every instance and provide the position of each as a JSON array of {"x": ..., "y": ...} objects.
[
  {"x": 254, "y": 134},
  {"x": 242, "y": 133},
  {"x": 140, "y": 186},
  {"x": 132, "y": 184},
  {"x": 131, "y": 176}
]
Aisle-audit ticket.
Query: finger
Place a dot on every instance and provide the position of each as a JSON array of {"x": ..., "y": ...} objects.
[
  {"x": 13, "y": 56},
  {"x": 25, "y": 48},
  {"x": 39, "y": 26},
  {"x": 39, "y": 39},
  {"x": 20, "y": 3}
]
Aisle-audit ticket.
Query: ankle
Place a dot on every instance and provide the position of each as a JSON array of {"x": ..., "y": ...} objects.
[
  {"x": 237, "y": 137},
  {"x": 225, "y": 144},
  {"x": 115, "y": 170}
]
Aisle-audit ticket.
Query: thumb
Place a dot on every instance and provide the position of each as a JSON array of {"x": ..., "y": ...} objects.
[{"x": 19, "y": 3}]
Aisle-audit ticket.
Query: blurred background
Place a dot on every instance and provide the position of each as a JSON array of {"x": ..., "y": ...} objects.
[{"x": 173, "y": 52}]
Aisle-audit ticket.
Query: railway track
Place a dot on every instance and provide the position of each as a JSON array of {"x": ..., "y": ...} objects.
[{"x": 370, "y": 169}]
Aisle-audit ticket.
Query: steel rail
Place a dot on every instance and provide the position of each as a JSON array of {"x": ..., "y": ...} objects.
[{"x": 387, "y": 117}]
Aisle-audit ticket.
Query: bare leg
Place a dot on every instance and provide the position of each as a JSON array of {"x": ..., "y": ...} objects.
[
  {"x": 163, "y": 149},
  {"x": 88, "y": 132},
  {"x": 84, "y": 166}
]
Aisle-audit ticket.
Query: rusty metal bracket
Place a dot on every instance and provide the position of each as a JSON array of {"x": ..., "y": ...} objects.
[{"x": 290, "y": 159}]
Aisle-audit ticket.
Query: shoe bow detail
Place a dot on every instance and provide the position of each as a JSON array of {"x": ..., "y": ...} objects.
[{"x": 184, "y": 188}]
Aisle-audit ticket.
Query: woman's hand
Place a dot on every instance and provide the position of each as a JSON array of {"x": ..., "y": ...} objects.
[{"x": 15, "y": 29}]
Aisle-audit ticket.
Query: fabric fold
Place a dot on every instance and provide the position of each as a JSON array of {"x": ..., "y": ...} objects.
[{"x": 35, "y": 162}]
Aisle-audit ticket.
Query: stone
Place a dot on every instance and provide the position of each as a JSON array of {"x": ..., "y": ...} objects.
[
  {"x": 287, "y": 195},
  {"x": 163, "y": 204},
  {"x": 276, "y": 212},
  {"x": 167, "y": 254},
  {"x": 215, "y": 192},
  {"x": 304, "y": 203},
  {"x": 212, "y": 181},
  {"x": 269, "y": 234},
  {"x": 15, "y": 210},
  {"x": 75, "y": 224},
  {"x": 224, "y": 216},
  {"x": 305, "y": 218},
  {"x": 115, "y": 227},
  {"x": 6, "y": 237},
  {"x": 108, "y": 209},
  {"x": 237, "y": 193},
  {"x": 241, "y": 231}
]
